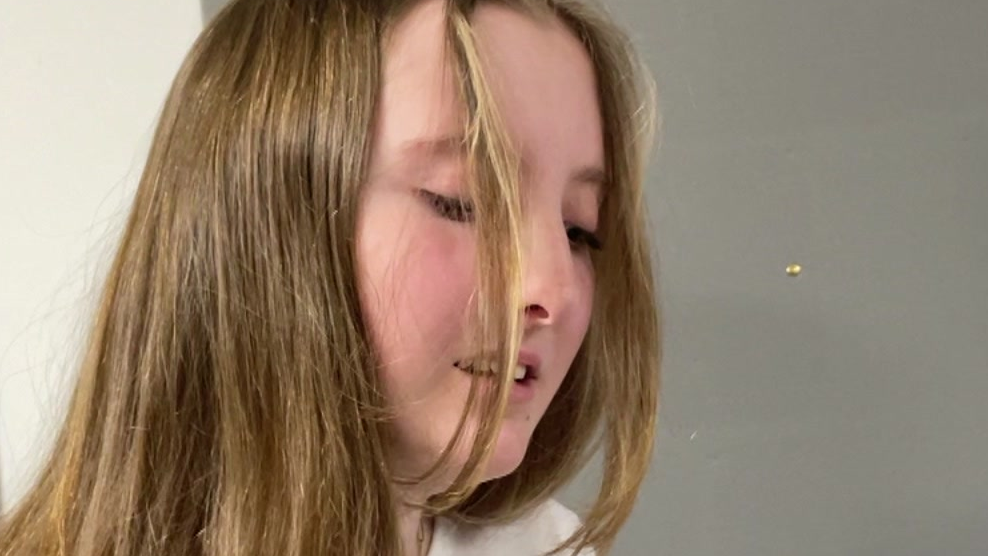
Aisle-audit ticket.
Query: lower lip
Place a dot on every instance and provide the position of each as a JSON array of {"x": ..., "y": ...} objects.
[{"x": 521, "y": 392}]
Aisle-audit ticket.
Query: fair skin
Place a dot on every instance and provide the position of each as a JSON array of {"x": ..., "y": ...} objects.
[{"x": 416, "y": 265}]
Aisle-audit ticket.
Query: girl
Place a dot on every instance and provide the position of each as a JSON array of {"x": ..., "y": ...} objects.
[{"x": 384, "y": 288}]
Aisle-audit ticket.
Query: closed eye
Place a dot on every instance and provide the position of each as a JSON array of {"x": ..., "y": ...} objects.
[
  {"x": 461, "y": 210},
  {"x": 450, "y": 208},
  {"x": 582, "y": 238}
]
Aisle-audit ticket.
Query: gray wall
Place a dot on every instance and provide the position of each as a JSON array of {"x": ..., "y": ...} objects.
[
  {"x": 840, "y": 412},
  {"x": 210, "y": 8}
]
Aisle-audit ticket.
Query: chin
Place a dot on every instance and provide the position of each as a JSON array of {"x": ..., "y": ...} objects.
[{"x": 510, "y": 450}]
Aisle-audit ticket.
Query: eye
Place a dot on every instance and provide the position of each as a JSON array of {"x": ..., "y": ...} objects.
[
  {"x": 450, "y": 208},
  {"x": 581, "y": 238}
]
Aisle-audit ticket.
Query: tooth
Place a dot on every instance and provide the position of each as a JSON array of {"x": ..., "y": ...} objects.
[
  {"x": 520, "y": 372},
  {"x": 474, "y": 368}
]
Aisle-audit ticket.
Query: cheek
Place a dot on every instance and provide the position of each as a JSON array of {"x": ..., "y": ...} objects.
[
  {"x": 572, "y": 328},
  {"x": 584, "y": 284},
  {"x": 434, "y": 287},
  {"x": 583, "y": 308},
  {"x": 416, "y": 280}
]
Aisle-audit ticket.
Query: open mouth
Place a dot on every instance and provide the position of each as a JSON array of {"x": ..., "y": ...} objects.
[{"x": 523, "y": 373}]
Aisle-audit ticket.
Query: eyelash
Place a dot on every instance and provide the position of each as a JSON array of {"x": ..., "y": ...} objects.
[
  {"x": 459, "y": 210},
  {"x": 450, "y": 208},
  {"x": 581, "y": 237}
]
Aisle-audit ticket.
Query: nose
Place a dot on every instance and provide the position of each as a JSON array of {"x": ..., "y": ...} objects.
[{"x": 548, "y": 274}]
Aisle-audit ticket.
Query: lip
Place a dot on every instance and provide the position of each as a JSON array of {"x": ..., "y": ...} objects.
[
  {"x": 524, "y": 391},
  {"x": 528, "y": 358}
]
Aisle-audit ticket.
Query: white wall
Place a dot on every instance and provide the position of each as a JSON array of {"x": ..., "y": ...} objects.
[{"x": 81, "y": 84}]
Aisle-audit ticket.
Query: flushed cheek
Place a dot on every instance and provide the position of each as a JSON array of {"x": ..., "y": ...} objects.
[
  {"x": 424, "y": 299},
  {"x": 441, "y": 268},
  {"x": 439, "y": 275}
]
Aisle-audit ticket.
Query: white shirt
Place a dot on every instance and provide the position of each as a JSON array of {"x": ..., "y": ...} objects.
[{"x": 533, "y": 535}]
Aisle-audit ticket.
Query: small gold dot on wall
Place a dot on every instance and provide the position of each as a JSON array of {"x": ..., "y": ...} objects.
[{"x": 794, "y": 270}]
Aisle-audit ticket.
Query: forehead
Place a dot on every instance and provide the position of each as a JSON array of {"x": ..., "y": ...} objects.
[
  {"x": 538, "y": 71},
  {"x": 418, "y": 94}
]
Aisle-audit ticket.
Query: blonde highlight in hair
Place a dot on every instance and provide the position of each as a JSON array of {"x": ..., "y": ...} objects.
[
  {"x": 228, "y": 402},
  {"x": 625, "y": 331}
]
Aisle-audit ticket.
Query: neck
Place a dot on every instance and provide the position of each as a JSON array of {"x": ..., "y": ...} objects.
[
  {"x": 414, "y": 527},
  {"x": 412, "y": 521},
  {"x": 410, "y": 525}
]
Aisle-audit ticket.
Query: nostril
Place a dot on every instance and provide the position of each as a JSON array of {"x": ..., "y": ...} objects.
[{"x": 536, "y": 311}]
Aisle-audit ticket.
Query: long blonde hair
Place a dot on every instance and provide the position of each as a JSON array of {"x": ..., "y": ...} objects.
[{"x": 228, "y": 401}]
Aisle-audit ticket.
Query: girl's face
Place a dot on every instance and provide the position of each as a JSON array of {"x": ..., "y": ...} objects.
[{"x": 416, "y": 260}]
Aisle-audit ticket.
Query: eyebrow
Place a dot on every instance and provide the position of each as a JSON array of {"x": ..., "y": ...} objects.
[
  {"x": 593, "y": 176},
  {"x": 432, "y": 147},
  {"x": 450, "y": 145}
]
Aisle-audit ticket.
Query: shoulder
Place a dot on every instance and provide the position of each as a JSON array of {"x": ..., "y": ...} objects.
[{"x": 537, "y": 532}]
